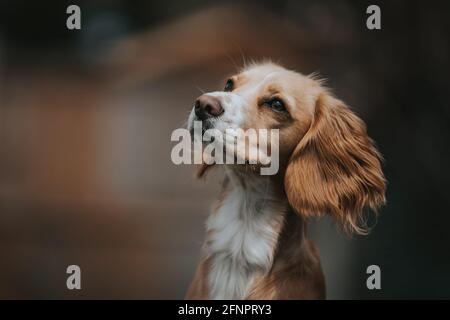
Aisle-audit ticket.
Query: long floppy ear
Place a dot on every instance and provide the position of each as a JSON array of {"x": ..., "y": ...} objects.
[{"x": 335, "y": 168}]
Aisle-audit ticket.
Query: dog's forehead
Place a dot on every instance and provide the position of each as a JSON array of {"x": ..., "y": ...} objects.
[
  {"x": 263, "y": 73},
  {"x": 270, "y": 75}
]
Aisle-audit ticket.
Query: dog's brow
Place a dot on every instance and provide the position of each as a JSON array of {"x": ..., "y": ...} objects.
[
  {"x": 271, "y": 74},
  {"x": 273, "y": 89}
]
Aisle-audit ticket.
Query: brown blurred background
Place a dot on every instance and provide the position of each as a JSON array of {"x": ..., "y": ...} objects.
[{"x": 86, "y": 117}]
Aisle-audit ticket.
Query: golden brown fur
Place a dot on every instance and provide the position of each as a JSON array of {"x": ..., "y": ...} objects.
[{"x": 335, "y": 168}]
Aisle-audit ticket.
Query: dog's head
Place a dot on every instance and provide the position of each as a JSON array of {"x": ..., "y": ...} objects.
[{"x": 330, "y": 165}]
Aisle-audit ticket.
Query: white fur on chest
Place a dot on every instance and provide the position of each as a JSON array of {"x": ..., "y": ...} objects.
[{"x": 243, "y": 234}]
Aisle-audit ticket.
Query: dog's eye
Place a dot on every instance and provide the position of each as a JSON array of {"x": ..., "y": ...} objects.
[
  {"x": 229, "y": 86},
  {"x": 276, "y": 105}
]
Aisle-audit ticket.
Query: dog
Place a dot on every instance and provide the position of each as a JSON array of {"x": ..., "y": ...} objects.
[{"x": 256, "y": 245}]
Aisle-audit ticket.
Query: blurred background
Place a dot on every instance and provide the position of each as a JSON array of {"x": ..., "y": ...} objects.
[{"x": 86, "y": 117}]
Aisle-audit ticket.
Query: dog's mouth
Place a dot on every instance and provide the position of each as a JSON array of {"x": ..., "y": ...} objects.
[{"x": 205, "y": 125}]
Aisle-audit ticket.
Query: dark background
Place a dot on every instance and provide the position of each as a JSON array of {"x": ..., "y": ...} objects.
[{"x": 86, "y": 117}]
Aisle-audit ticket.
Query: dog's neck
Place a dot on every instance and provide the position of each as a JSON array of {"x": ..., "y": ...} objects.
[{"x": 243, "y": 232}]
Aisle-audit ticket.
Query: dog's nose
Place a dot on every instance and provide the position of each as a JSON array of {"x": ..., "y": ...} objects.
[{"x": 207, "y": 106}]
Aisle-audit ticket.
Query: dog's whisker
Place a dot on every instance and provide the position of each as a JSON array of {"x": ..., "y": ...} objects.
[
  {"x": 230, "y": 58},
  {"x": 200, "y": 89}
]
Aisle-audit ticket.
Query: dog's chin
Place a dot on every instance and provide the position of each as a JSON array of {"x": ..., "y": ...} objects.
[
  {"x": 199, "y": 135},
  {"x": 206, "y": 125}
]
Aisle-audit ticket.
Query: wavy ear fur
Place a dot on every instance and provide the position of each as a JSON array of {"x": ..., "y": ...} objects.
[{"x": 335, "y": 168}]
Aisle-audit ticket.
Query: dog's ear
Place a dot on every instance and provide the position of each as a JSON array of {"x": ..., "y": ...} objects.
[{"x": 335, "y": 168}]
